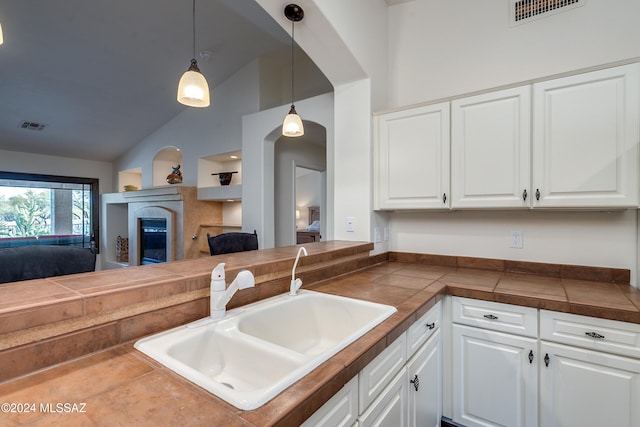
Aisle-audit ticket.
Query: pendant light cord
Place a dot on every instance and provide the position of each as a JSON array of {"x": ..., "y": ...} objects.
[
  {"x": 293, "y": 36},
  {"x": 193, "y": 21}
]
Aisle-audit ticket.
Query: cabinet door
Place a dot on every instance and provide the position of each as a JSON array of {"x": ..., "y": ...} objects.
[
  {"x": 412, "y": 158},
  {"x": 585, "y": 139},
  {"x": 584, "y": 388},
  {"x": 390, "y": 408},
  {"x": 425, "y": 384},
  {"x": 490, "y": 150},
  {"x": 494, "y": 382}
]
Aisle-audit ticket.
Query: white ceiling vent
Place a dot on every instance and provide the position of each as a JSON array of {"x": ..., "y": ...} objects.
[
  {"x": 32, "y": 125},
  {"x": 527, "y": 10}
]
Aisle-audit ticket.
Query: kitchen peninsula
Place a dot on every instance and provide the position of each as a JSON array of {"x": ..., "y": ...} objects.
[{"x": 97, "y": 316}]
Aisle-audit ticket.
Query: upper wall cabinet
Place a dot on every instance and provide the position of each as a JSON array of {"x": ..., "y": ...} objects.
[
  {"x": 412, "y": 158},
  {"x": 585, "y": 139},
  {"x": 490, "y": 150}
]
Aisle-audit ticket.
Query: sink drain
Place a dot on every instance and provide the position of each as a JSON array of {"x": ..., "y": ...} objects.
[{"x": 228, "y": 385}]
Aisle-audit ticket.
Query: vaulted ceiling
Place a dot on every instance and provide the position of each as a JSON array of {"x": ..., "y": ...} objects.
[{"x": 102, "y": 74}]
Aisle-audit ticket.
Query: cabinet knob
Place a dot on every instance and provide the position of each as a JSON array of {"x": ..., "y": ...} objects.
[
  {"x": 524, "y": 195},
  {"x": 537, "y": 194},
  {"x": 546, "y": 360},
  {"x": 416, "y": 382},
  {"x": 530, "y": 356},
  {"x": 444, "y": 197}
]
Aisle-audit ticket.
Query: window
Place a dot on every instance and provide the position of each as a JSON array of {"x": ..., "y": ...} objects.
[{"x": 48, "y": 210}]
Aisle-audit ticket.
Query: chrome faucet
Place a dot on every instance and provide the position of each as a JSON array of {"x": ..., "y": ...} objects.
[
  {"x": 221, "y": 296},
  {"x": 296, "y": 283}
]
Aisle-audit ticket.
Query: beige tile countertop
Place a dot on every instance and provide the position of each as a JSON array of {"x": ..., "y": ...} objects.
[{"x": 122, "y": 387}]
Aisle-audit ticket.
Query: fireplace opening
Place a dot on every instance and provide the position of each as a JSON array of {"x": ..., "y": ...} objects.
[{"x": 153, "y": 240}]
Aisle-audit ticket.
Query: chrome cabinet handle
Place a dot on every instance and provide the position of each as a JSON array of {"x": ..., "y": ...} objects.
[{"x": 594, "y": 335}]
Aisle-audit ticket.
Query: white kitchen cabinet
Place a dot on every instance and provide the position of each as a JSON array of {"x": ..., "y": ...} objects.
[
  {"x": 591, "y": 371},
  {"x": 379, "y": 372},
  {"x": 585, "y": 139},
  {"x": 585, "y": 388},
  {"x": 411, "y": 166},
  {"x": 424, "y": 394},
  {"x": 494, "y": 378},
  {"x": 424, "y": 368},
  {"x": 339, "y": 411},
  {"x": 389, "y": 409},
  {"x": 491, "y": 150},
  {"x": 494, "y": 374}
]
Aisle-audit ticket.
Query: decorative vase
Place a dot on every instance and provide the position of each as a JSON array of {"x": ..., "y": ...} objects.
[
  {"x": 175, "y": 177},
  {"x": 225, "y": 177}
]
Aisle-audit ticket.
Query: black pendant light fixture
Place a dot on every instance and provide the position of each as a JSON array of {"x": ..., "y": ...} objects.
[
  {"x": 193, "y": 90},
  {"x": 292, "y": 125}
]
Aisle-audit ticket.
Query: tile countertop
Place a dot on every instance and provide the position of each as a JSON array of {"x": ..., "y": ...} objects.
[{"x": 121, "y": 386}]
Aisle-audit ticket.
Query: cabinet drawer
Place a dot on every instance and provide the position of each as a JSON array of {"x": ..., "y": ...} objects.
[
  {"x": 423, "y": 329},
  {"x": 496, "y": 316},
  {"x": 340, "y": 411},
  {"x": 597, "y": 334},
  {"x": 377, "y": 374}
]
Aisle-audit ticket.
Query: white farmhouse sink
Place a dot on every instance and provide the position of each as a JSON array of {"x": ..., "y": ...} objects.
[{"x": 258, "y": 350}]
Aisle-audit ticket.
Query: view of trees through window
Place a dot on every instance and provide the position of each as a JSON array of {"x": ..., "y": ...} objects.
[{"x": 41, "y": 209}]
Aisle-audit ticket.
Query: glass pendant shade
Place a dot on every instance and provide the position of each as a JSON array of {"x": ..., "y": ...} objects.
[
  {"x": 193, "y": 90},
  {"x": 292, "y": 125}
]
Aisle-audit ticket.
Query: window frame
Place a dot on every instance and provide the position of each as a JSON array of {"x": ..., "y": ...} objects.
[{"x": 94, "y": 183}]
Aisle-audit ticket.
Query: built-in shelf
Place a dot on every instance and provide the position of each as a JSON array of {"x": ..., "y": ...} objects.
[
  {"x": 131, "y": 178},
  {"x": 221, "y": 193},
  {"x": 209, "y": 187}
]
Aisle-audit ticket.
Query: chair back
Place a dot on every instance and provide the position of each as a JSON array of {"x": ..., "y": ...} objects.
[{"x": 227, "y": 243}]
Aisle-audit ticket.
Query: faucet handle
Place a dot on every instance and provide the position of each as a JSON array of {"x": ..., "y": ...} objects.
[
  {"x": 295, "y": 285},
  {"x": 245, "y": 279}
]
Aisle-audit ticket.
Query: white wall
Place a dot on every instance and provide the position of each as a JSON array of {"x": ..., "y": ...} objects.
[{"x": 439, "y": 49}]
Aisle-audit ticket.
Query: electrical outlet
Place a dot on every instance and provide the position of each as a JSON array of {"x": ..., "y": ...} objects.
[
  {"x": 516, "y": 240},
  {"x": 351, "y": 223}
]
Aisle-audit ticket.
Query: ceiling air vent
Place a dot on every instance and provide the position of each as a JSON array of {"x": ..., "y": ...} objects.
[
  {"x": 32, "y": 125},
  {"x": 527, "y": 10}
]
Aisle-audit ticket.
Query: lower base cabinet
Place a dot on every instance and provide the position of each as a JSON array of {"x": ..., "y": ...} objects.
[
  {"x": 389, "y": 409},
  {"x": 391, "y": 391},
  {"x": 494, "y": 378},
  {"x": 583, "y": 388},
  {"x": 425, "y": 384}
]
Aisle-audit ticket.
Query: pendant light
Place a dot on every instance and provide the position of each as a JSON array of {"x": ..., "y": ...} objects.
[
  {"x": 1, "y": 39},
  {"x": 292, "y": 125},
  {"x": 193, "y": 90}
]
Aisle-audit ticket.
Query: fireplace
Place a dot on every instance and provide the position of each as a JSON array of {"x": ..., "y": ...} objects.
[
  {"x": 155, "y": 235},
  {"x": 153, "y": 240}
]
